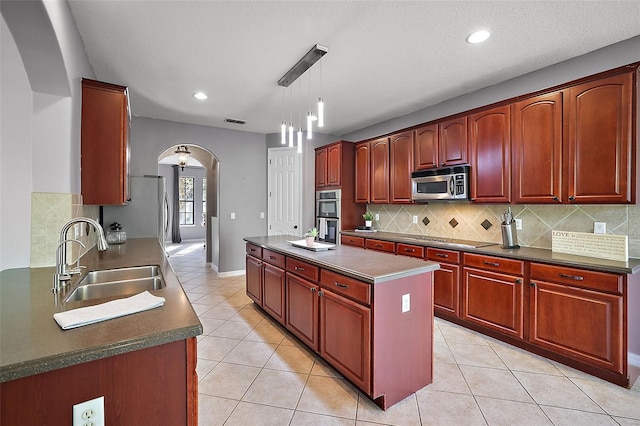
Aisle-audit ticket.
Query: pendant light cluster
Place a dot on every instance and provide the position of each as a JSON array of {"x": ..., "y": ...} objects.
[{"x": 310, "y": 58}]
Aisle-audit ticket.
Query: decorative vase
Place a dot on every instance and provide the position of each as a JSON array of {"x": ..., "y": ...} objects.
[
  {"x": 368, "y": 223},
  {"x": 309, "y": 241}
]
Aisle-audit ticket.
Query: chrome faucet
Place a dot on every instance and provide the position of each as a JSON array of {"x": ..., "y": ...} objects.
[{"x": 63, "y": 272}]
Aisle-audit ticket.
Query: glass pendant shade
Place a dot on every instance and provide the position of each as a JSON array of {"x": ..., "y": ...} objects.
[
  {"x": 299, "y": 140},
  {"x": 283, "y": 139},
  {"x": 291, "y": 135},
  {"x": 320, "y": 113},
  {"x": 309, "y": 126}
]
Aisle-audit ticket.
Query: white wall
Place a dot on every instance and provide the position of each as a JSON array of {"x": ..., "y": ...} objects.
[{"x": 15, "y": 155}]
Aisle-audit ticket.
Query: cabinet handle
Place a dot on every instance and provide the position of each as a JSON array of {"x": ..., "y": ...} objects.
[
  {"x": 297, "y": 268},
  {"x": 518, "y": 281},
  {"x": 494, "y": 264},
  {"x": 313, "y": 289},
  {"x": 341, "y": 285},
  {"x": 555, "y": 198},
  {"x": 409, "y": 250},
  {"x": 272, "y": 258},
  {"x": 572, "y": 277},
  {"x": 443, "y": 255},
  {"x": 378, "y": 245},
  {"x": 571, "y": 198},
  {"x": 320, "y": 293},
  {"x": 532, "y": 284},
  {"x": 252, "y": 249}
]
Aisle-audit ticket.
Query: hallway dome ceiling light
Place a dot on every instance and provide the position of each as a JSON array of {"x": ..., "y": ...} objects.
[{"x": 183, "y": 155}]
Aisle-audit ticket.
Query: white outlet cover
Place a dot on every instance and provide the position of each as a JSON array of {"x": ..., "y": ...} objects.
[
  {"x": 89, "y": 412},
  {"x": 406, "y": 302},
  {"x": 233, "y": 216},
  {"x": 519, "y": 224},
  {"x": 599, "y": 227},
  {"x": 377, "y": 216},
  {"x": 415, "y": 219}
]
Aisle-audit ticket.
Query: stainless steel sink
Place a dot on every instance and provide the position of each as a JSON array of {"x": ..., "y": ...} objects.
[{"x": 117, "y": 282}]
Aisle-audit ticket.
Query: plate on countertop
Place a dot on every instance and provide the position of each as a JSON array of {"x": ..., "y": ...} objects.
[{"x": 315, "y": 247}]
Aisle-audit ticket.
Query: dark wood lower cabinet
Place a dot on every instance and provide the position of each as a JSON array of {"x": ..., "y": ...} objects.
[
  {"x": 273, "y": 291},
  {"x": 302, "y": 310},
  {"x": 345, "y": 337},
  {"x": 446, "y": 285},
  {"x": 152, "y": 386},
  {"x": 493, "y": 300},
  {"x": 254, "y": 279}
]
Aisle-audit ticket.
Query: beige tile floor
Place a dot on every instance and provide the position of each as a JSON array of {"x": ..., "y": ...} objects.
[{"x": 252, "y": 372}]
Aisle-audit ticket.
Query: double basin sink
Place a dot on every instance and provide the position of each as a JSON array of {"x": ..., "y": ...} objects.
[{"x": 111, "y": 283}]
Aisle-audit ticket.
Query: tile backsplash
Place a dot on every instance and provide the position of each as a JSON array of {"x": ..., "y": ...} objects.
[
  {"x": 482, "y": 222},
  {"x": 49, "y": 212}
]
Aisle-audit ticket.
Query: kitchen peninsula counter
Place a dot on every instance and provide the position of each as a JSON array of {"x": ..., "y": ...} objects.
[
  {"x": 370, "y": 266},
  {"x": 31, "y": 342}
]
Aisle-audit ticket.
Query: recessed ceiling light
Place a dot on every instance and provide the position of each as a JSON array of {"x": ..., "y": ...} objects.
[
  {"x": 200, "y": 95},
  {"x": 478, "y": 36}
]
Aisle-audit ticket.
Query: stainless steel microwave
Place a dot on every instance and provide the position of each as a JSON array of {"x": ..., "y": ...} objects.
[{"x": 448, "y": 183}]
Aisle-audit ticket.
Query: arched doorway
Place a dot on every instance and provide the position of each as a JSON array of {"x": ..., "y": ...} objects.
[{"x": 209, "y": 162}]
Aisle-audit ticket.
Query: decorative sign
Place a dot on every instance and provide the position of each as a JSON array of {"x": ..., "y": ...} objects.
[{"x": 603, "y": 246}]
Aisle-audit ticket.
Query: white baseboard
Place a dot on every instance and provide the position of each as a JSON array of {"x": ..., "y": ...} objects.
[{"x": 228, "y": 273}]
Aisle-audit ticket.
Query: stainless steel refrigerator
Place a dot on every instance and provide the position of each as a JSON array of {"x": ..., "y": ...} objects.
[{"x": 148, "y": 213}]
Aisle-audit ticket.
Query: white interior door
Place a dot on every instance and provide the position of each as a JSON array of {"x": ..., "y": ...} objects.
[{"x": 285, "y": 191}]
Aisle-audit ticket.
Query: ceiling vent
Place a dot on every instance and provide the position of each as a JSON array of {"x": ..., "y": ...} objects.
[{"x": 234, "y": 121}]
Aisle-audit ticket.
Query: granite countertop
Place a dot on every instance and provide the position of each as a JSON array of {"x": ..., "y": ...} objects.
[
  {"x": 31, "y": 341},
  {"x": 632, "y": 266},
  {"x": 371, "y": 266}
]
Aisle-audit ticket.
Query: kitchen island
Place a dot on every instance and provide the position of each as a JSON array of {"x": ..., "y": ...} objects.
[
  {"x": 368, "y": 314},
  {"x": 143, "y": 364}
]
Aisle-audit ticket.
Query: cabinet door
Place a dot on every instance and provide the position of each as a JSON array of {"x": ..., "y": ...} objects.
[
  {"x": 582, "y": 324},
  {"x": 363, "y": 173},
  {"x": 426, "y": 147},
  {"x": 380, "y": 171},
  {"x": 490, "y": 156},
  {"x": 253, "y": 278},
  {"x": 104, "y": 146},
  {"x": 453, "y": 142},
  {"x": 446, "y": 289},
  {"x": 321, "y": 168},
  {"x": 334, "y": 164},
  {"x": 273, "y": 291},
  {"x": 537, "y": 149},
  {"x": 302, "y": 310},
  {"x": 401, "y": 153},
  {"x": 493, "y": 300},
  {"x": 345, "y": 337},
  {"x": 600, "y": 141}
]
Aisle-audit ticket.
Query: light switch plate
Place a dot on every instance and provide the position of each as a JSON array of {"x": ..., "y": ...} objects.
[{"x": 233, "y": 216}]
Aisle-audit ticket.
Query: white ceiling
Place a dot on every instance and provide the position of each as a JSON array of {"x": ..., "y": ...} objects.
[{"x": 385, "y": 59}]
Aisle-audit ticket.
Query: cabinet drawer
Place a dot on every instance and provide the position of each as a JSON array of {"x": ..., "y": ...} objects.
[
  {"x": 380, "y": 245},
  {"x": 254, "y": 250},
  {"x": 352, "y": 241},
  {"x": 441, "y": 255},
  {"x": 410, "y": 250},
  {"x": 491, "y": 263},
  {"x": 577, "y": 277},
  {"x": 303, "y": 269},
  {"x": 273, "y": 258},
  {"x": 346, "y": 286}
]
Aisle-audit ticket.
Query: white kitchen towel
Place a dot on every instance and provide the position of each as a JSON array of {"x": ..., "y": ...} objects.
[
  {"x": 108, "y": 310},
  {"x": 322, "y": 232}
]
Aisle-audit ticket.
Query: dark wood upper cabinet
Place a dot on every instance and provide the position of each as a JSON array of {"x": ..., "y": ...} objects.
[
  {"x": 329, "y": 166},
  {"x": 426, "y": 141},
  {"x": 490, "y": 146},
  {"x": 380, "y": 171},
  {"x": 105, "y": 143},
  {"x": 599, "y": 141},
  {"x": 453, "y": 142},
  {"x": 363, "y": 173},
  {"x": 536, "y": 137},
  {"x": 321, "y": 168},
  {"x": 442, "y": 144},
  {"x": 401, "y": 156}
]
